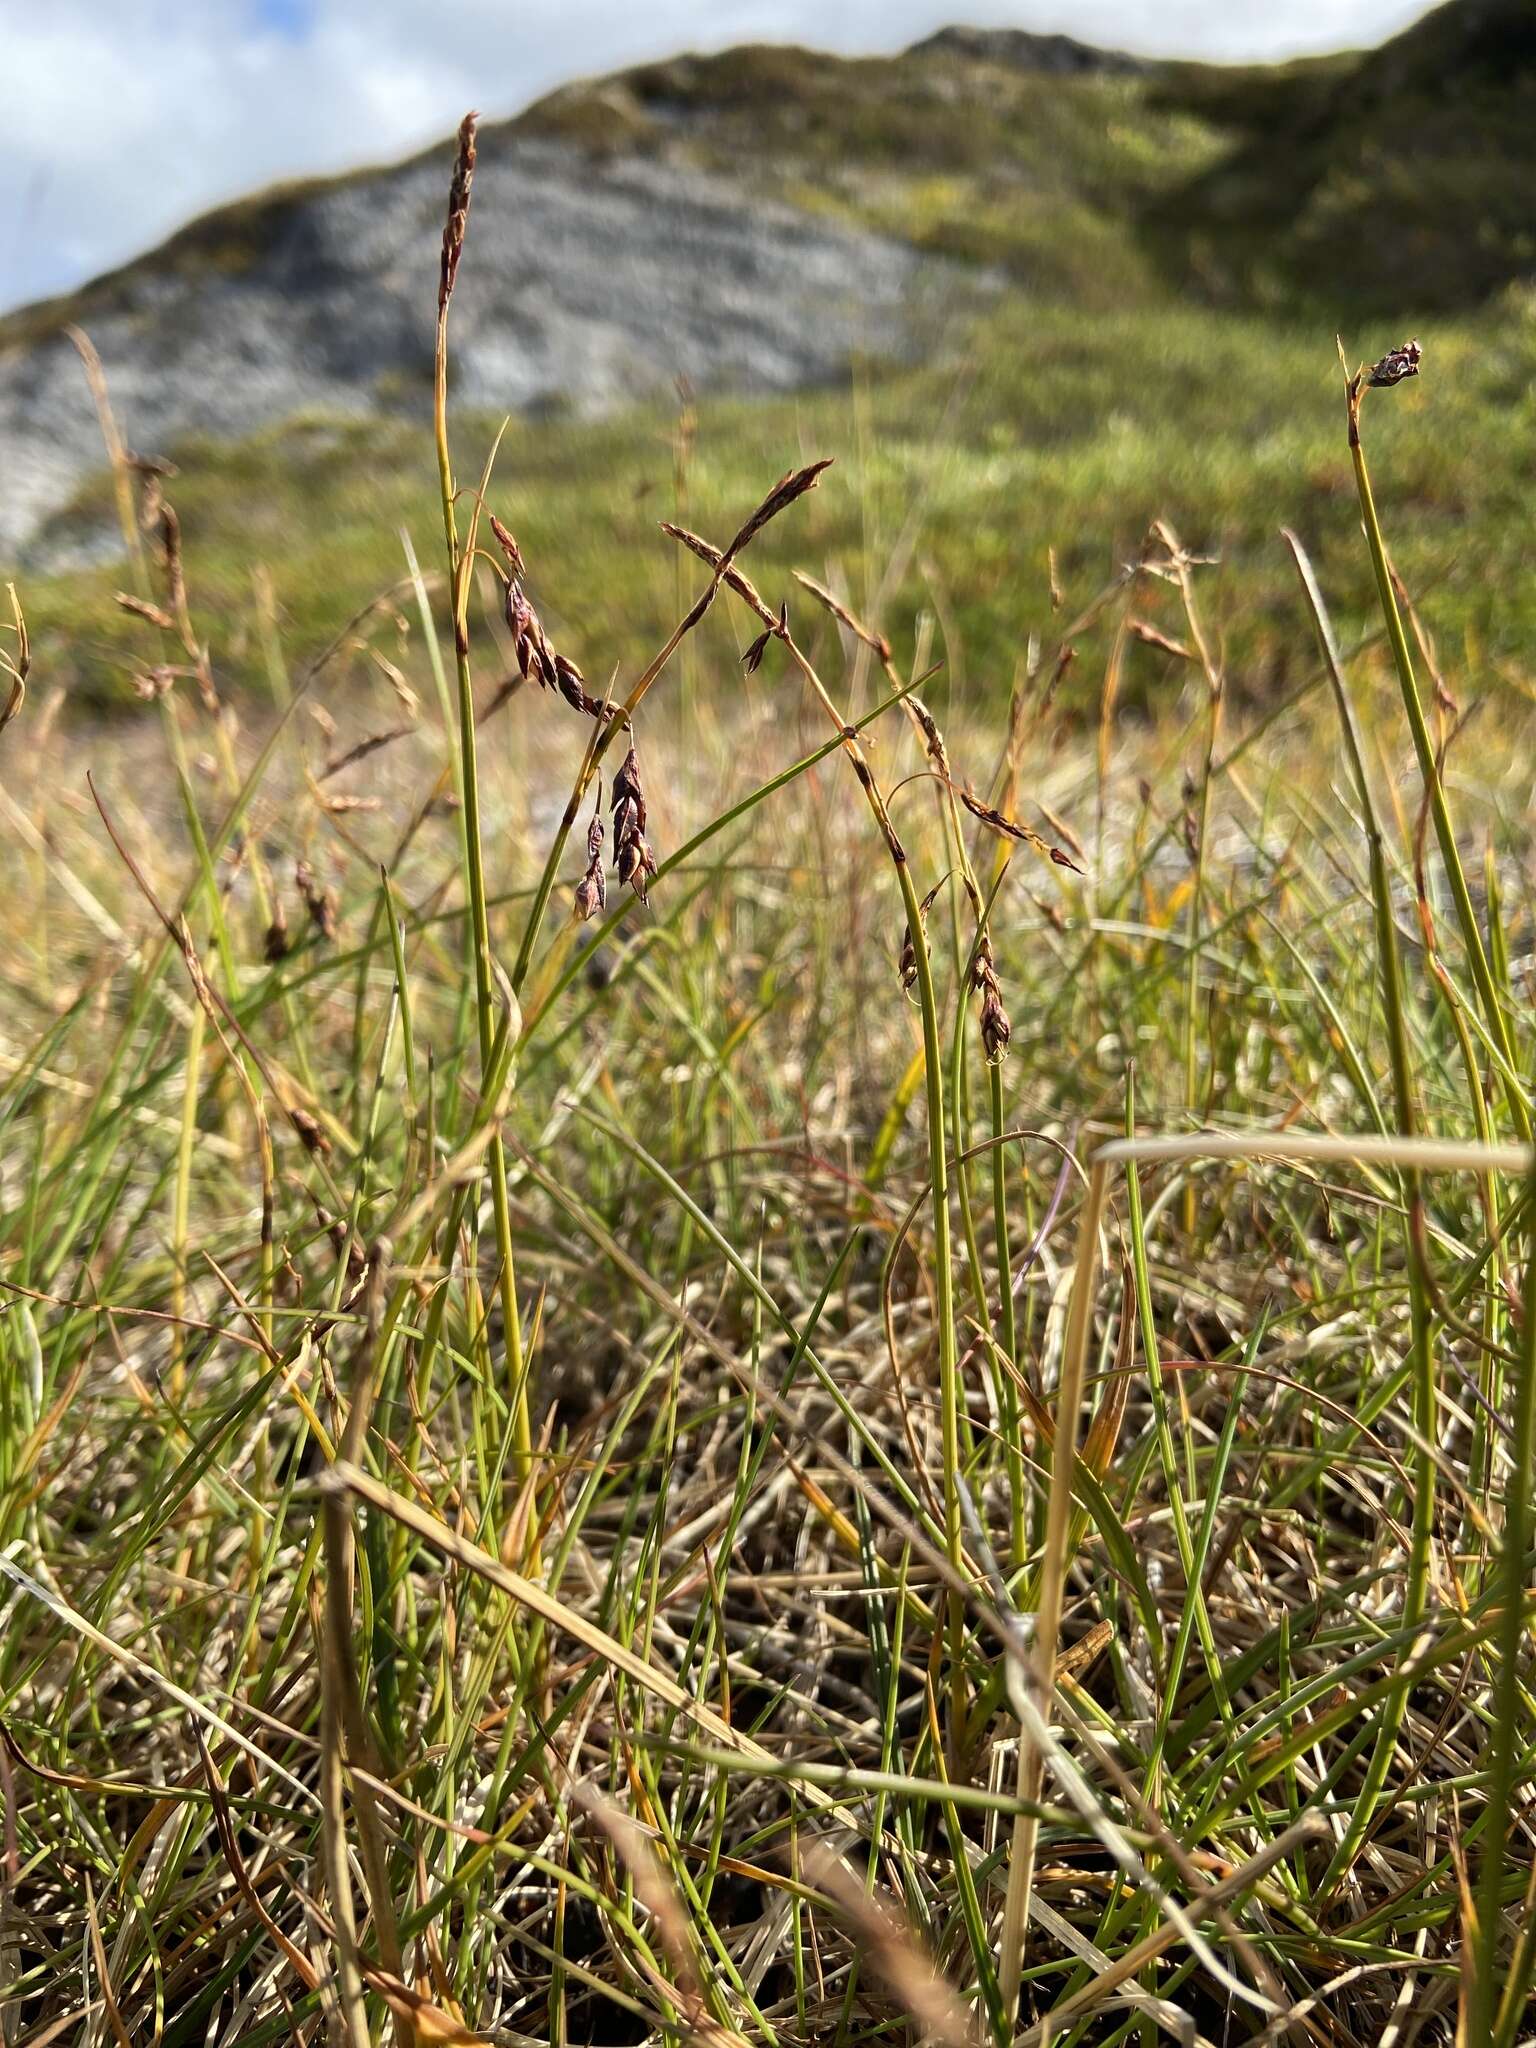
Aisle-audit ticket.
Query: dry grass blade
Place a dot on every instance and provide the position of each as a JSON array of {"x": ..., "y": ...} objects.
[
  {"x": 792, "y": 485},
  {"x": 652, "y": 1886},
  {"x": 896, "y": 1955},
  {"x": 300, "y": 1964},
  {"x": 1053, "y": 1579},
  {"x": 1010, "y": 828},
  {"x": 1364, "y": 1148},
  {"x": 347, "y": 1478},
  {"x": 15, "y": 662},
  {"x": 876, "y": 642},
  {"x": 656, "y": 1892},
  {"x": 114, "y": 2012}
]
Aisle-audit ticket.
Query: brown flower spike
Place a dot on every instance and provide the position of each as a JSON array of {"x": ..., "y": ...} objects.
[
  {"x": 535, "y": 654},
  {"x": 752, "y": 660},
  {"x": 632, "y": 857},
  {"x": 1010, "y": 828},
  {"x": 996, "y": 1030},
  {"x": 276, "y": 945},
  {"x": 319, "y": 901},
  {"x": 933, "y": 739},
  {"x": 906, "y": 965},
  {"x": 1395, "y": 365},
  {"x": 506, "y": 540},
  {"x": 458, "y": 211},
  {"x": 592, "y": 889}
]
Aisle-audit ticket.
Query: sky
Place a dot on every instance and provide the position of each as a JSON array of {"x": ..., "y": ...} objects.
[{"x": 120, "y": 119}]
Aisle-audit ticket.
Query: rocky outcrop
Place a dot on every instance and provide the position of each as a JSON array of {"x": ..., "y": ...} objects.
[
  {"x": 1056, "y": 55},
  {"x": 590, "y": 281}
]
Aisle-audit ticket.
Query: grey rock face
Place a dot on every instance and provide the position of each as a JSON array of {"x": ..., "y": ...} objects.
[
  {"x": 1056, "y": 55},
  {"x": 586, "y": 283}
]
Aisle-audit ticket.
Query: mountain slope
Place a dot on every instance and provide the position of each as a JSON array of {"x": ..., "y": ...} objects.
[
  {"x": 750, "y": 221},
  {"x": 596, "y": 285},
  {"x": 755, "y": 220},
  {"x": 1400, "y": 181}
]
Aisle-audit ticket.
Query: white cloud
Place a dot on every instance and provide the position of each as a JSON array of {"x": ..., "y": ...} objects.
[{"x": 122, "y": 118}]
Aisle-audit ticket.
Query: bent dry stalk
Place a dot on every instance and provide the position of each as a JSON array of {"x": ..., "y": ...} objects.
[{"x": 1408, "y": 1155}]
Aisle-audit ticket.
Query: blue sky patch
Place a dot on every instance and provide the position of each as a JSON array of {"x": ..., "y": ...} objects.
[{"x": 291, "y": 18}]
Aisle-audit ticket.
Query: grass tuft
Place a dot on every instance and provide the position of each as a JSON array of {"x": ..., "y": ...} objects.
[{"x": 877, "y": 1440}]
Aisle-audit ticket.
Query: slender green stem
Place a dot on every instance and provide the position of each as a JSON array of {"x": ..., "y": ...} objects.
[
  {"x": 1425, "y": 1381},
  {"x": 1007, "y": 1318},
  {"x": 1423, "y": 746},
  {"x": 1053, "y": 1581},
  {"x": 1507, "y": 1740},
  {"x": 480, "y": 932},
  {"x": 1214, "y": 694},
  {"x": 938, "y": 1167},
  {"x": 944, "y": 1284}
]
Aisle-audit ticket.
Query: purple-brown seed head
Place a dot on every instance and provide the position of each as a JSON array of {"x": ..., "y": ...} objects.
[{"x": 458, "y": 211}]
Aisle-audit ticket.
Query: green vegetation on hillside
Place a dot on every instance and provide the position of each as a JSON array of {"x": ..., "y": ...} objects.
[
  {"x": 1043, "y": 431},
  {"x": 1396, "y": 183}
]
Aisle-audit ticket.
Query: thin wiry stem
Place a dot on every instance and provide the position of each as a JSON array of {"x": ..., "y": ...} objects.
[
  {"x": 1506, "y": 1740},
  {"x": 1423, "y": 746},
  {"x": 1426, "y": 1390},
  {"x": 459, "y": 563},
  {"x": 933, "y": 1082}
]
